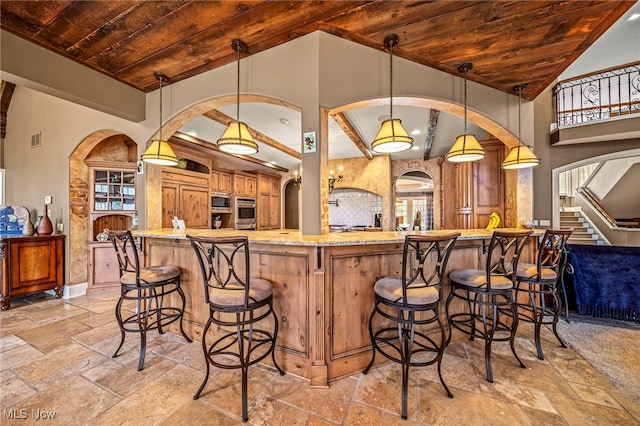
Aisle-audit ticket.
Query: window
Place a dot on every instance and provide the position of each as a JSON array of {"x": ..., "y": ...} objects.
[{"x": 573, "y": 179}]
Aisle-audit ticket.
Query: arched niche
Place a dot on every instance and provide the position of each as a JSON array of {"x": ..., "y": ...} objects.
[{"x": 101, "y": 146}]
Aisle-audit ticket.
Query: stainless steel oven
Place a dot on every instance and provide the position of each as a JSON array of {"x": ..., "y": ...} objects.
[
  {"x": 245, "y": 213},
  {"x": 220, "y": 202}
]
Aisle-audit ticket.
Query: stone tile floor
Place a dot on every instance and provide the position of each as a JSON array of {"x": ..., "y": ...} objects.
[{"x": 56, "y": 368}]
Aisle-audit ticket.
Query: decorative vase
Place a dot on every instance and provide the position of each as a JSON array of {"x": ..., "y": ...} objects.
[
  {"x": 45, "y": 227},
  {"x": 27, "y": 228}
]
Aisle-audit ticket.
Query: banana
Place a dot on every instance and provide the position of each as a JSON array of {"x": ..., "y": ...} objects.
[
  {"x": 494, "y": 220},
  {"x": 497, "y": 220}
]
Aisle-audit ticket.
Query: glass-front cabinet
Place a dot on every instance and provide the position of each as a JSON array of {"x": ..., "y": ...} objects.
[{"x": 114, "y": 190}]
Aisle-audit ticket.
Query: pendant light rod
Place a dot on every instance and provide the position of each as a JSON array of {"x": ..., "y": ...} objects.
[
  {"x": 159, "y": 151},
  {"x": 390, "y": 41},
  {"x": 160, "y": 77},
  {"x": 240, "y": 47},
  {"x": 237, "y": 138},
  {"x": 465, "y": 68},
  {"x": 518, "y": 89},
  {"x": 466, "y": 147},
  {"x": 391, "y": 137},
  {"x": 521, "y": 156}
]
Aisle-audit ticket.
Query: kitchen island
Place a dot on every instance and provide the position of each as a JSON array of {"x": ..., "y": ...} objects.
[{"x": 323, "y": 287}]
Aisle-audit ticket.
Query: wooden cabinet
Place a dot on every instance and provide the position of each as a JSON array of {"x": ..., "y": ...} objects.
[
  {"x": 472, "y": 191},
  {"x": 244, "y": 185},
  {"x": 187, "y": 195},
  {"x": 220, "y": 181},
  {"x": 268, "y": 202},
  {"x": 31, "y": 264}
]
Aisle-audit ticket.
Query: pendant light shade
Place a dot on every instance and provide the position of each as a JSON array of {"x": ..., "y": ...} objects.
[
  {"x": 466, "y": 147},
  {"x": 237, "y": 139},
  {"x": 391, "y": 137},
  {"x": 160, "y": 152},
  {"x": 521, "y": 156}
]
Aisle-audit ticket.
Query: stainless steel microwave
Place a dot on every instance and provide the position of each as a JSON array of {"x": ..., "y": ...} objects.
[{"x": 220, "y": 202}]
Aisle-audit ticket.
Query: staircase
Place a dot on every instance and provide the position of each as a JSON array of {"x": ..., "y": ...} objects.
[{"x": 583, "y": 232}]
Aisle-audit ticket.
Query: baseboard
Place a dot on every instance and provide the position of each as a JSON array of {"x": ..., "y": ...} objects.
[{"x": 74, "y": 290}]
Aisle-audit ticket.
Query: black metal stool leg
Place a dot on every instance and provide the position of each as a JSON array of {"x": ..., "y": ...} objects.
[
  {"x": 373, "y": 343},
  {"x": 184, "y": 302},
  {"x": 119, "y": 320},
  {"x": 273, "y": 344},
  {"x": 206, "y": 358}
]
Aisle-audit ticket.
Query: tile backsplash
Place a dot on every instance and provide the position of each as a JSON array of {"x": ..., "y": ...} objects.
[{"x": 355, "y": 207}]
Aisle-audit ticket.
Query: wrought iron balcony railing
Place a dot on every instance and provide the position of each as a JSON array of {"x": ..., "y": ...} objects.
[{"x": 603, "y": 95}]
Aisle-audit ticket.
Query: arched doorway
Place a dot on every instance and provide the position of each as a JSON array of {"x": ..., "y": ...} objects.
[
  {"x": 414, "y": 201},
  {"x": 291, "y": 205}
]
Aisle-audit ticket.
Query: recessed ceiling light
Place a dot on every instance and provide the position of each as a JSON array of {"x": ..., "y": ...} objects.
[
  {"x": 634, "y": 17},
  {"x": 284, "y": 121},
  {"x": 415, "y": 147},
  {"x": 192, "y": 133},
  {"x": 416, "y": 132}
]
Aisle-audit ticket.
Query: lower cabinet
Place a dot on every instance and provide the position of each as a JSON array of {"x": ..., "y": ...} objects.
[
  {"x": 31, "y": 264},
  {"x": 104, "y": 273}
]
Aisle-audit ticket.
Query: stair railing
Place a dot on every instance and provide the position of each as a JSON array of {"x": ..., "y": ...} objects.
[{"x": 595, "y": 203}]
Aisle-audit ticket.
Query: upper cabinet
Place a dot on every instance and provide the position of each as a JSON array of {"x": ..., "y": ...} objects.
[
  {"x": 220, "y": 181},
  {"x": 244, "y": 185},
  {"x": 113, "y": 190}
]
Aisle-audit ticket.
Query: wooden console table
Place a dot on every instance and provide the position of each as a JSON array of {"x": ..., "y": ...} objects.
[{"x": 30, "y": 264}]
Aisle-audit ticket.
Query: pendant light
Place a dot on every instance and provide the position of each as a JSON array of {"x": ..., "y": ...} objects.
[
  {"x": 159, "y": 152},
  {"x": 237, "y": 139},
  {"x": 521, "y": 156},
  {"x": 391, "y": 137},
  {"x": 466, "y": 147}
]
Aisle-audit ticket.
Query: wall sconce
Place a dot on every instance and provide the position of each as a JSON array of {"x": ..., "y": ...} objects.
[
  {"x": 297, "y": 178},
  {"x": 333, "y": 179}
]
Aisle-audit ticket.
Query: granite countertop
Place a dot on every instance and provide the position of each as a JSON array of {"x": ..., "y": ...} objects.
[{"x": 294, "y": 237}]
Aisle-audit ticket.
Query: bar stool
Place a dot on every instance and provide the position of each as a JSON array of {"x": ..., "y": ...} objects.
[
  {"x": 237, "y": 304},
  {"x": 488, "y": 295},
  {"x": 148, "y": 287},
  {"x": 410, "y": 302},
  {"x": 540, "y": 281}
]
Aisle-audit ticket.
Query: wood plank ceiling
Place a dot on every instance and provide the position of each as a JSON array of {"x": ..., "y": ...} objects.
[{"x": 508, "y": 42}]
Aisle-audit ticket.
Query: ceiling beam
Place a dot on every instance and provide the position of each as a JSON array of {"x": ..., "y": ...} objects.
[
  {"x": 213, "y": 147},
  {"x": 342, "y": 121},
  {"x": 431, "y": 132},
  {"x": 224, "y": 119}
]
